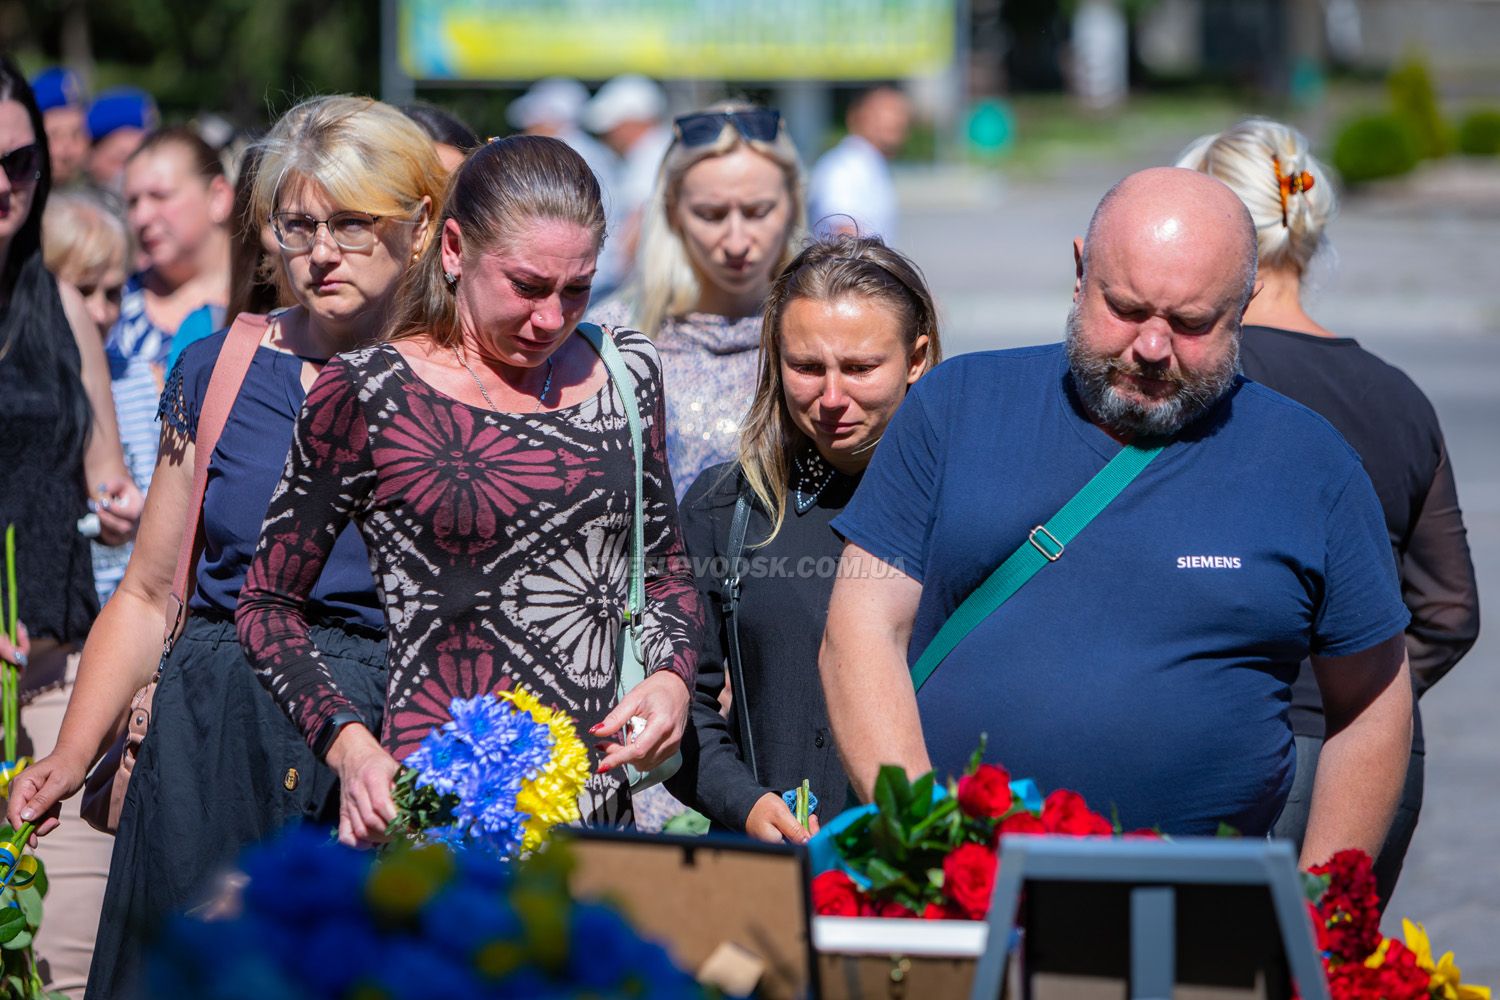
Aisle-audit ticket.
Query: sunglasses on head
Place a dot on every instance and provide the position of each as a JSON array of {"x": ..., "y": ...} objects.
[
  {"x": 21, "y": 166},
  {"x": 704, "y": 127}
]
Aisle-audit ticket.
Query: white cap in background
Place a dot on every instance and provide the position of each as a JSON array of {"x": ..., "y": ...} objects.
[
  {"x": 557, "y": 100},
  {"x": 626, "y": 98}
]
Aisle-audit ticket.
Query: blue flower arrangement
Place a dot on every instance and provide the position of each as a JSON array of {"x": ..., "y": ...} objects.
[
  {"x": 319, "y": 921},
  {"x": 499, "y": 775}
]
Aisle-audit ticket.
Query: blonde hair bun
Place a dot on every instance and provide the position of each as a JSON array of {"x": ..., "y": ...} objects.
[{"x": 1287, "y": 190}]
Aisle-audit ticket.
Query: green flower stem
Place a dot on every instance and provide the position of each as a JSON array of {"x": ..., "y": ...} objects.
[
  {"x": 803, "y": 792},
  {"x": 22, "y": 836},
  {"x": 8, "y": 688}
]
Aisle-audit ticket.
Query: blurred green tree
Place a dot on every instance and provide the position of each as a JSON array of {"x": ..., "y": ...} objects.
[{"x": 246, "y": 59}]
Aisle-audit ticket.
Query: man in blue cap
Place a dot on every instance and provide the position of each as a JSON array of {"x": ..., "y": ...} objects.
[
  {"x": 59, "y": 95},
  {"x": 118, "y": 120}
]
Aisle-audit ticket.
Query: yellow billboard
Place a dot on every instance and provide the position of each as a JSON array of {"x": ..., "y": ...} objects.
[{"x": 667, "y": 39}]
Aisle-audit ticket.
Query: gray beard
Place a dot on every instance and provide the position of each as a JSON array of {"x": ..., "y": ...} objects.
[{"x": 1194, "y": 393}]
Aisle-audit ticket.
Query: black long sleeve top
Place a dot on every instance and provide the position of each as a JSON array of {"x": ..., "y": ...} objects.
[
  {"x": 1391, "y": 424},
  {"x": 783, "y": 607}
]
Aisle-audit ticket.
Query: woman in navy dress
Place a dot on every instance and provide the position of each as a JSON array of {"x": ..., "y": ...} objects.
[{"x": 351, "y": 187}]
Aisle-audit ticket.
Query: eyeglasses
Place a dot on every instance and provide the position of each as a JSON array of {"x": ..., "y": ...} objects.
[
  {"x": 704, "y": 127},
  {"x": 350, "y": 230},
  {"x": 22, "y": 165}
]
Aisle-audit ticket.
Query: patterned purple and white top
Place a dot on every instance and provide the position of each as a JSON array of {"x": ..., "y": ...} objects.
[
  {"x": 499, "y": 543},
  {"x": 709, "y": 364}
]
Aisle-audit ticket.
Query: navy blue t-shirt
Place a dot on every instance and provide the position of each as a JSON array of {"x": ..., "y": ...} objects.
[
  {"x": 245, "y": 469},
  {"x": 1149, "y": 668}
]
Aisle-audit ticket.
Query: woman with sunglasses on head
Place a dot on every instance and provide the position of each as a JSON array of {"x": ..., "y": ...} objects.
[
  {"x": 484, "y": 451},
  {"x": 723, "y": 220},
  {"x": 58, "y": 441},
  {"x": 1379, "y": 411},
  {"x": 849, "y": 327},
  {"x": 351, "y": 187}
]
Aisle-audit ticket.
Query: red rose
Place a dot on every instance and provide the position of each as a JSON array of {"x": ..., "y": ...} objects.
[
  {"x": 891, "y": 908},
  {"x": 834, "y": 894},
  {"x": 1065, "y": 812},
  {"x": 984, "y": 793},
  {"x": 941, "y": 911},
  {"x": 1022, "y": 822},
  {"x": 969, "y": 879},
  {"x": 1143, "y": 834}
]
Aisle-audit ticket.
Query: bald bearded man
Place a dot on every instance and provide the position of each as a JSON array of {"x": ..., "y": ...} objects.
[{"x": 1148, "y": 667}]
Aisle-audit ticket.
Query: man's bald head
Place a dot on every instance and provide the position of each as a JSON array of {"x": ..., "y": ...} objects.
[
  {"x": 1164, "y": 276},
  {"x": 1173, "y": 206}
]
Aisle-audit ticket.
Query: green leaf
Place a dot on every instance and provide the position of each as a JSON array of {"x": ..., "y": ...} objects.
[
  {"x": 882, "y": 874},
  {"x": 921, "y": 796},
  {"x": 940, "y": 811},
  {"x": 1225, "y": 830},
  {"x": 1313, "y": 886},
  {"x": 977, "y": 757},
  {"x": 20, "y": 941},
  {"x": 891, "y": 791},
  {"x": 888, "y": 838},
  {"x": 12, "y": 922},
  {"x": 31, "y": 906}
]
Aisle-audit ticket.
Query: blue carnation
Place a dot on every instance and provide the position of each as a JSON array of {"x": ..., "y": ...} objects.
[
  {"x": 409, "y": 969},
  {"x": 606, "y": 948},
  {"x": 303, "y": 876},
  {"x": 333, "y": 956},
  {"x": 479, "y": 721},
  {"x": 441, "y": 761},
  {"x": 482, "y": 870},
  {"x": 463, "y": 918}
]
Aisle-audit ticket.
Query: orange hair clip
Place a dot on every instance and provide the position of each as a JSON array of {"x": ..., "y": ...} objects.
[{"x": 1289, "y": 185}]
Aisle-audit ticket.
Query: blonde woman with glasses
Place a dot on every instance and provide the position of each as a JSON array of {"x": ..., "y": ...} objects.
[{"x": 352, "y": 189}]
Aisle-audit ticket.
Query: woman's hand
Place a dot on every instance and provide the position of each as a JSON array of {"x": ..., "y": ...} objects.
[
  {"x": 662, "y": 701},
  {"x": 366, "y": 774},
  {"x": 772, "y": 822},
  {"x": 38, "y": 791},
  {"x": 18, "y": 653},
  {"x": 119, "y": 508}
]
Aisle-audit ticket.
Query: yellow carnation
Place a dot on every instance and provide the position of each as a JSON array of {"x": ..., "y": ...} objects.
[
  {"x": 551, "y": 798},
  {"x": 1447, "y": 979}
]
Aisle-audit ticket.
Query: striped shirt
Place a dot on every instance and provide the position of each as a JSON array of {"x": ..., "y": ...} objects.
[{"x": 137, "y": 350}]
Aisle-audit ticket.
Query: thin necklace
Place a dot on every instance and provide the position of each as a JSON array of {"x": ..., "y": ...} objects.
[{"x": 541, "y": 397}]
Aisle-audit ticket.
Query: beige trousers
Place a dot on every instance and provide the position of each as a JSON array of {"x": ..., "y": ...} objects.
[{"x": 75, "y": 855}]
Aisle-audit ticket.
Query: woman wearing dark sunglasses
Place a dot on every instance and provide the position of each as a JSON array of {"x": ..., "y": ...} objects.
[
  {"x": 722, "y": 221},
  {"x": 351, "y": 188},
  {"x": 58, "y": 439}
]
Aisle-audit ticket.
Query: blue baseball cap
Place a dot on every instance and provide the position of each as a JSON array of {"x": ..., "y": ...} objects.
[
  {"x": 121, "y": 107},
  {"x": 57, "y": 87}
]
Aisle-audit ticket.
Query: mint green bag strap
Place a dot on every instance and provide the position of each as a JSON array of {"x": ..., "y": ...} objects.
[
  {"x": 1044, "y": 544},
  {"x": 619, "y": 374}
]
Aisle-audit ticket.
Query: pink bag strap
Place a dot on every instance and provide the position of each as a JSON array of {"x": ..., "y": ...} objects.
[{"x": 223, "y": 387}]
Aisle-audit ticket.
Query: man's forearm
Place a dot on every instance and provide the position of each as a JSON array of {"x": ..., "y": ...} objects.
[
  {"x": 1361, "y": 771},
  {"x": 871, "y": 706}
]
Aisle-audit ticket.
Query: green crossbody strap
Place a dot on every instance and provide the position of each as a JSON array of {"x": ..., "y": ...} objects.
[
  {"x": 1044, "y": 544},
  {"x": 614, "y": 363}
]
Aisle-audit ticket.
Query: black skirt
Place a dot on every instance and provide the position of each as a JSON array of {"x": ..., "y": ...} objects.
[{"x": 221, "y": 767}]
